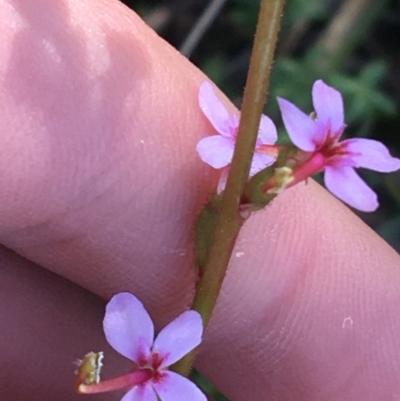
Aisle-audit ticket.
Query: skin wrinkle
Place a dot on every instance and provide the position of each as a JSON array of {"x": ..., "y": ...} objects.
[{"x": 308, "y": 261}]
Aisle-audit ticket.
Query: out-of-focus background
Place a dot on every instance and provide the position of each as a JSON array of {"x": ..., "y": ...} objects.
[{"x": 354, "y": 45}]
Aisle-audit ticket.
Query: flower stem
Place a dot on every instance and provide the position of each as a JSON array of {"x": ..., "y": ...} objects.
[
  {"x": 229, "y": 220},
  {"x": 116, "y": 383}
]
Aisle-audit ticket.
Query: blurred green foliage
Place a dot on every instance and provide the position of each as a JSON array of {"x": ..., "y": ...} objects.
[{"x": 206, "y": 386}]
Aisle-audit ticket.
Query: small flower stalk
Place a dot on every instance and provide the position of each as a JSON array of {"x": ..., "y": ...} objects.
[{"x": 130, "y": 331}]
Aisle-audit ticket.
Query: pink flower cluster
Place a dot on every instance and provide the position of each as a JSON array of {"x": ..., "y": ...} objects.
[{"x": 317, "y": 138}]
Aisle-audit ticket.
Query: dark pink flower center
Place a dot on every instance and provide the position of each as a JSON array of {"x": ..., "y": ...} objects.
[
  {"x": 331, "y": 149},
  {"x": 153, "y": 364}
]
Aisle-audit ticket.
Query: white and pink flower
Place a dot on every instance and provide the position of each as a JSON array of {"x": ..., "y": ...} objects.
[
  {"x": 130, "y": 331},
  {"x": 217, "y": 150}
]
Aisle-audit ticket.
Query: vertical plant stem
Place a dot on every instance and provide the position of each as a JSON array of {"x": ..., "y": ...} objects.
[{"x": 229, "y": 220}]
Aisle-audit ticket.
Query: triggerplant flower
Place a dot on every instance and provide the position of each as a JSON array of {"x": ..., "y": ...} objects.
[
  {"x": 130, "y": 331},
  {"x": 217, "y": 150},
  {"x": 318, "y": 137}
]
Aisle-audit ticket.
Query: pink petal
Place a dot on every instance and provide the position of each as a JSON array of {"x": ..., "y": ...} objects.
[
  {"x": 300, "y": 127},
  {"x": 328, "y": 104},
  {"x": 260, "y": 162},
  {"x": 345, "y": 183},
  {"x": 267, "y": 132},
  {"x": 223, "y": 178},
  {"x": 371, "y": 154},
  {"x": 179, "y": 337},
  {"x": 235, "y": 120},
  {"x": 216, "y": 150},
  {"x": 215, "y": 111},
  {"x": 128, "y": 327},
  {"x": 140, "y": 393},
  {"x": 173, "y": 387}
]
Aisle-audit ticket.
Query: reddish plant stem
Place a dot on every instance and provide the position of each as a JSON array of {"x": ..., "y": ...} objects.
[{"x": 116, "y": 383}]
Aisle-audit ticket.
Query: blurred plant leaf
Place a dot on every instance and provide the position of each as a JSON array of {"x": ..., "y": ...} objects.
[
  {"x": 206, "y": 386},
  {"x": 390, "y": 231},
  {"x": 244, "y": 13},
  {"x": 214, "y": 67},
  {"x": 365, "y": 97},
  {"x": 305, "y": 10}
]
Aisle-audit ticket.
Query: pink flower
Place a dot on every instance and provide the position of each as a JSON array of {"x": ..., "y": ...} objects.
[
  {"x": 217, "y": 150},
  {"x": 130, "y": 331},
  {"x": 319, "y": 138}
]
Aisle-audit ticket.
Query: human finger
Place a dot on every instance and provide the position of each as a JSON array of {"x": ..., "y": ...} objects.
[
  {"x": 146, "y": 198},
  {"x": 48, "y": 323}
]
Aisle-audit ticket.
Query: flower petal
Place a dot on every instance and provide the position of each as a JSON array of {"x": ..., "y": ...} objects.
[
  {"x": 223, "y": 178},
  {"x": 179, "y": 337},
  {"x": 328, "y": 104},
  {"x": 215, "y": 111},
  {"x": 216, "y": 150},
  {"x": 300, "y": 127},
  {"x": 267, "y": 133},
  {"x": 140, "y": 393},
  {"x": 128, "y": 327},
  {"x": 174, "y": 387},
  {"x": 371, "y": 154},
  {"x": 346, "y": 184},
  {"x": 259, "y": 162}
]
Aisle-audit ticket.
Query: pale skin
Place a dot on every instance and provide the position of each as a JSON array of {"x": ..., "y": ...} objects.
[{"x": 100, "y": 188}]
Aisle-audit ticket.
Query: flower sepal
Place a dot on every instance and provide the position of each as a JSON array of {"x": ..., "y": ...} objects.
[
  {"x": 204, "y": 231},
  {"x": 254, "y": 198},
  {"x": 264, "y": 186}
]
